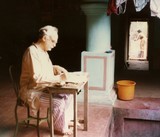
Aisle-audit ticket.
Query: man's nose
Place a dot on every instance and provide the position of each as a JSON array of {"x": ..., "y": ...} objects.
[{"x": 54, "y": 45}]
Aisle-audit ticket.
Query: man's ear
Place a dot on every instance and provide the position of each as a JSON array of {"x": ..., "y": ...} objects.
[{"x": 44, "y": 38}]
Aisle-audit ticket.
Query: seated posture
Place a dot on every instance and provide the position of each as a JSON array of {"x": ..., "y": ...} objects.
[{"x": 38, "y": 71}]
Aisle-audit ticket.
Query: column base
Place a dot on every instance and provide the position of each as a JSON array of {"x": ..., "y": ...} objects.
[{"x": 100, "y": 97}]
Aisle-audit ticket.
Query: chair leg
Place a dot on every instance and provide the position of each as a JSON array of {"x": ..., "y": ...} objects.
[
  {"x": 16, "y": 117},
  {"x": 38, "y": 120},
  {"x": 48, "y": 117},
  {"x": 28, "y": 115}
]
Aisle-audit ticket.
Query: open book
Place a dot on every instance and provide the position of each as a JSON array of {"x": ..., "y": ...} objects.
[{"x": 76, "y": 77}]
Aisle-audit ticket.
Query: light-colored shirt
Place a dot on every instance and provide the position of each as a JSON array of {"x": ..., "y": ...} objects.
[
  {"x": 36, "y": 73},
  {"x": 154, "y": 7},
  {"x": 120, "y": 7},
  {"x": 140, "y": 4}
]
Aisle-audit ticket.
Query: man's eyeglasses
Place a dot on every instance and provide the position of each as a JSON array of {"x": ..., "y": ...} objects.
[{"x": 50, "y": 38}]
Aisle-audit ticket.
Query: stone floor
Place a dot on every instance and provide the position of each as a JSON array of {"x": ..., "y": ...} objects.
[
  {"x": 147, "y": 85},
  {"x": 136, "y": 118}
]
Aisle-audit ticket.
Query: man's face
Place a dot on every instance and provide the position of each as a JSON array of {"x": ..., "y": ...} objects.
[{"x": 50, "y": 42}]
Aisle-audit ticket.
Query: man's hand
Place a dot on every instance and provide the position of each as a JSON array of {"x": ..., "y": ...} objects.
[
  {"x": 63, "y": 77},
  {"x": 58, "y": 70}
]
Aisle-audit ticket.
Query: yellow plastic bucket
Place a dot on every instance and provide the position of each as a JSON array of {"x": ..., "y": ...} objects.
[{"x": 126, "y": 89}]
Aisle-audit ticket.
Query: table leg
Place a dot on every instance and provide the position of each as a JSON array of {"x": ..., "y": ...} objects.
[
  {"x": 86, "y": 106},
  {"x": 51, "y": 117},
  {"x": 75, "y": 114}
]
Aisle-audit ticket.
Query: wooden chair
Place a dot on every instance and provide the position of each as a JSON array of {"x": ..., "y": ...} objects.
[{"x": 15, "y": 76}]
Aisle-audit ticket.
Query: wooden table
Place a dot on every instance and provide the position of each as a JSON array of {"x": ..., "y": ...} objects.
[{"x": 72, "y": 88}]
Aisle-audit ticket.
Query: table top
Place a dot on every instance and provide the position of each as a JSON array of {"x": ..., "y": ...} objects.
[{"x": 75, "y": 81}]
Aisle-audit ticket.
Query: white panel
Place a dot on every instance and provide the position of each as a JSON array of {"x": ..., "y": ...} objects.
[
  {"x": 100, "y": 67},
  {"x": 95, "y": 73}
]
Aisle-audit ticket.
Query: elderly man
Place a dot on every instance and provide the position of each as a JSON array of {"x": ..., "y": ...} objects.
[{"x": 38, "y": 71}]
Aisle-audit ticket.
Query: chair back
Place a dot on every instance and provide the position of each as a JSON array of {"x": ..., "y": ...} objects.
[{"x": 15, "y": 78}]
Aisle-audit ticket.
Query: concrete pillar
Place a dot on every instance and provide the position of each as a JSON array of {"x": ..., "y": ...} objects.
[
  {"x": 95, "y": 61},
  {"x": 98, "y": 27}
]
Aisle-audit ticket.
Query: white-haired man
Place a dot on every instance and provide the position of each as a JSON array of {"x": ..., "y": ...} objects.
[{"x": 38, "y": 71}]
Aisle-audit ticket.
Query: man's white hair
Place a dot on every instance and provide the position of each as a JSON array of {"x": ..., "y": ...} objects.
[{"x": 49, "y": 30}]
